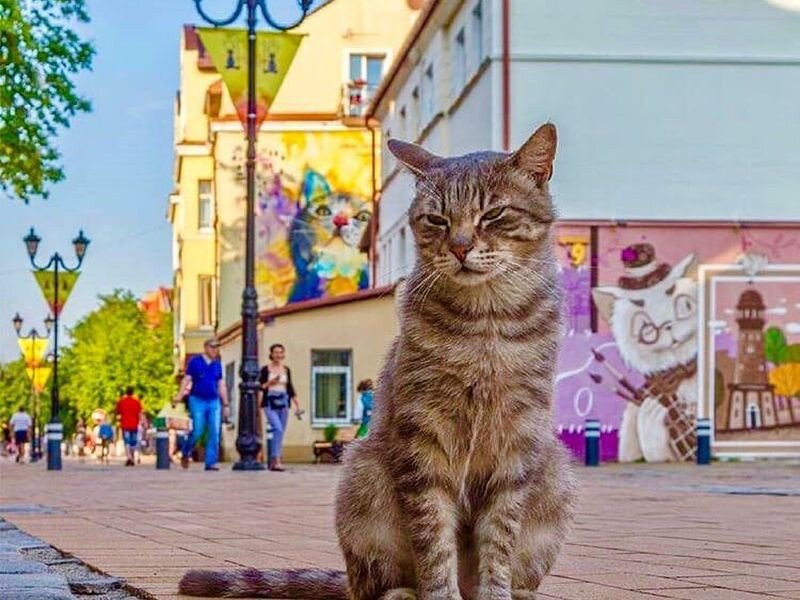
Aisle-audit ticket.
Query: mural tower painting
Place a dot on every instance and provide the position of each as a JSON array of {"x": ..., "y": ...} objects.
[{"x": 752, "y": 402}]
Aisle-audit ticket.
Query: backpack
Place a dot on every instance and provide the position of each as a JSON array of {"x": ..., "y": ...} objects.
[{"x": 106, "y": 431}]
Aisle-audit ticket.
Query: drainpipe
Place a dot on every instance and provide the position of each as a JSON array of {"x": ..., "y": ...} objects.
[
  {"x": 373, "y": 223},
  {"x": 506, "y": 82}
]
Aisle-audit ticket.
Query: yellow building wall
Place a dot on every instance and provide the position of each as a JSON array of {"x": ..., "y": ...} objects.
[
  {"x": 320, "y": 69},
  {"x": 367, "y": 327}
]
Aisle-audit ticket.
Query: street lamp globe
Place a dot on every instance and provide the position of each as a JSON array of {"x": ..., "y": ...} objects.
[
  {"x": 32, "y": 243},
  {"x": 80, "y": 243},
  {"x": 48, "y": 323},
  {"x": 17, "y": 320}
]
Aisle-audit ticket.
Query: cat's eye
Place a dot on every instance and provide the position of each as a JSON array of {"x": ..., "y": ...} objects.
[
  {"x": 436, "y": 220},
  {"x": 323, "y": 211},
  {"x": 493, "y": 214},
  {"x": 363, "y": 216}
]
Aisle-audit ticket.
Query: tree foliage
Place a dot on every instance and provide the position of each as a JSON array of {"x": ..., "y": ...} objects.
[
  {"x": 114, "y": 347},
  {"x": 39, "y": 55},
  {"x": 15, "y": 389}
]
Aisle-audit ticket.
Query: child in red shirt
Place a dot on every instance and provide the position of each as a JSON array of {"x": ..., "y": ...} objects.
[{"x": 129, "y": 410}]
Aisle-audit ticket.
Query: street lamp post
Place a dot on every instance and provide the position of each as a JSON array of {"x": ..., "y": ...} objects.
[
  {"x": 55, "y": 430},
  {"x": 33, "y": 335},
  {"x": 247, "y": 442}
]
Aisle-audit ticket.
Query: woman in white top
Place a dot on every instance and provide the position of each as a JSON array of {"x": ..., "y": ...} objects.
[
  {"x": 21, "y": 423},
  {"x": 277, "y": 393}
]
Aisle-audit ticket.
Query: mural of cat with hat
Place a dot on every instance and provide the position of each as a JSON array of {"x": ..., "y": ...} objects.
[{"x": 652, "y": 313}]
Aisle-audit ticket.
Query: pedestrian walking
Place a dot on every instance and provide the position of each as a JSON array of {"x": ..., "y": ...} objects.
[
  {"x": 208, "y": 403},
  {"x": 277, "y": 393},
  {"x": 21, "y": 424},
  {"x": 106, "y": 434},
  {"x": 129, "y": 411},
  {"x": 80, "y": 437},
  {"x": 366, "y": 389}
]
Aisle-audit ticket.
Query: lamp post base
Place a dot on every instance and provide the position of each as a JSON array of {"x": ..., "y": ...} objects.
[
  {"x": 55, "y": 433},
  {"x": 248, "y": 446}
]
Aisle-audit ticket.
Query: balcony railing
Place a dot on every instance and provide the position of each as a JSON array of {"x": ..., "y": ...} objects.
[{"x": 356, "y": 97}]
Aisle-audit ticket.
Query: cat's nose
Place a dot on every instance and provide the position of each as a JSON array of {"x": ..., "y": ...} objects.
[
  {"x": 340, "y": 220},
  {"x": 460, "y": 249}
]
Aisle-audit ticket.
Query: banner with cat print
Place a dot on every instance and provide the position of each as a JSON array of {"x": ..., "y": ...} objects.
[
  {"x": 33, "y": 349},
  {"x": 38, "y": 377},
  {"x": 274, "y": 55},
  {"x": 46, "y": 281}
]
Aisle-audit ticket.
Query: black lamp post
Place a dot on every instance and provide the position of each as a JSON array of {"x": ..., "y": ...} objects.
[
  {"x": 34, "y": 335},
  {"x": 247, "y": 442},
  {"x": 55, "y": 430}
]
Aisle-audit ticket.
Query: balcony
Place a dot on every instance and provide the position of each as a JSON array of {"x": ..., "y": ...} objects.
[{"x": 356, "y": 97}]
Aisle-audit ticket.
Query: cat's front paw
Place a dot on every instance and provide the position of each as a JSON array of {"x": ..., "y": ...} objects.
[{"x": 653, "y": 432}]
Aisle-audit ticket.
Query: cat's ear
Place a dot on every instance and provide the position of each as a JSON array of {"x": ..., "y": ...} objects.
[
  {"x": 687, "y": 267},
  {"x": 604, "y": 299},
  {"x": 536, "y": 156},
  {"x": 416, "y": 158}
]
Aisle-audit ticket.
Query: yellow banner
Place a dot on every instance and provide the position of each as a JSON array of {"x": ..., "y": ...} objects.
[
  {"x": 274, "y": 54},
  {"x": 39, "y": 377},
  {"x": 46, "y": 281},
  {"x": 33, "y": 350}
]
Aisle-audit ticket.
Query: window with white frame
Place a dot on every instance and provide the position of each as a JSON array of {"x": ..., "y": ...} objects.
[
  {"x": 401, "y": 253},
  {"x": 413, "y": 117},
  {"x": 402, "y": 122},
  {"x": 459, "y": 62},
  {"x": 205, "y": 216},
  {"x": 428, "y": 95},
  {"x": 364, "y": 76},
  {"x": 331, "y": 386},
  {"x": 477, "y": 33}
]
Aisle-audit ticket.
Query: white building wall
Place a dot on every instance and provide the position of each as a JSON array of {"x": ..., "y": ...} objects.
[{"x": 679, "y": 110}]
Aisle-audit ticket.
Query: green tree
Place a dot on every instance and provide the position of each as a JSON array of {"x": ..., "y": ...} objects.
[
  {"x": 15, "y": 389},
  {"x": 114, "y": 347},
  {"x": 774, "y": 344},
  {"x": 39, "y": 55}
]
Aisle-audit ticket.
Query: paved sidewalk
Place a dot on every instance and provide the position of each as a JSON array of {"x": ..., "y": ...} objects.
[{"x": 727, "y": 532}]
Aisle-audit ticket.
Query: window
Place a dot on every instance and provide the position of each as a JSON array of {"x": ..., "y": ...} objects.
[
  {"x": 331, "y": 386},
  {"x": 413, "y": 119},
  {"x": 204, "y": 216},
  {"x": 428, "y": 94},
  {"x": 403, "y": 123},
  {"x": 402, "y": 252},
  {"x": 459, "y": 62},
  {"x": 230, "y": 385},
  {"x": 364, "y": 77},
  {"x": 206, "y": 300},
  {"x": 477, "y": 33}
]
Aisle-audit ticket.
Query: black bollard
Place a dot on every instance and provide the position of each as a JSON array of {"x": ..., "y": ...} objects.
[
  {"x": 703, "y": 441},
  {"x": 55, "y": 433},
  {"x": 592, "y": 437},
  {"x": 162, "y": 449}
]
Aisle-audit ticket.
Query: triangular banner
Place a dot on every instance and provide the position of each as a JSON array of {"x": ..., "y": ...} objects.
[
  {"x": 66, "y": 281},
  {"x": 33, "y": 349},
  {"x": 274, "y": 54},
  {"x": 39, "y": 377}
]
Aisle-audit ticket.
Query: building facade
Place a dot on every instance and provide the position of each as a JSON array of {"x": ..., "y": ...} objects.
[
  {"x": 315, "y": 180},
  {"x": 678, "y": 153}
]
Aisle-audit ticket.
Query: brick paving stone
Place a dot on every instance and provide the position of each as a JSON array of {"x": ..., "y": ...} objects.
[{"x": 642, "y": 531}]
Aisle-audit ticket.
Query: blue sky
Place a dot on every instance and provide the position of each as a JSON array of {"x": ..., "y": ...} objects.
[{"x": 118, "y": 164}]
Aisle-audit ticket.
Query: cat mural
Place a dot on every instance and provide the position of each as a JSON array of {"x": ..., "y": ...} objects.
[
  {"x": 325, "y": 241},
  {"x": 653, "y": 317}
]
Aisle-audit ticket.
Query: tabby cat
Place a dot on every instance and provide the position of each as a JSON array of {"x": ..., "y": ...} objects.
[{"x": 461, "y": 490}]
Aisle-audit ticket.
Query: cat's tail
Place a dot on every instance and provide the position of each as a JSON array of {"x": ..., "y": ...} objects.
[{"x": 320, "y": 584}]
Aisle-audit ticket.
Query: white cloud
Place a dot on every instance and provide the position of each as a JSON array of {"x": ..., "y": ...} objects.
[
  {"x": 782, "y": 300},
  {"x": 718, "y": 324},
  {"x": 792, "y": 328},
  {"x": 777, "y": 310},
  {"x": 729, "y": 311}
]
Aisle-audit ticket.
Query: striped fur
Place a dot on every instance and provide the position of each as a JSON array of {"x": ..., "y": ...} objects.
[{"x": 461, "y": 491}]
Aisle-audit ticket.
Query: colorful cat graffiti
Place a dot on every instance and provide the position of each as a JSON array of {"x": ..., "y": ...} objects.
[
  {"x": 313, "y": 214},
  {"x": 630, "y": 354}
]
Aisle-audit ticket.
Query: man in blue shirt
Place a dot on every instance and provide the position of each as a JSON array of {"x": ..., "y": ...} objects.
[{"x": 208, "y": 397}]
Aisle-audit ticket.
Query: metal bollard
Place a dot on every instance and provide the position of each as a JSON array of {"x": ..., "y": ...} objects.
[
  {"x": 162, "y": 449},
  {"x": 55, "y": 433},
  {"x": 703, "y": 441},
  {"x": 592, "y": 437}
]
